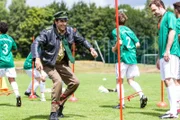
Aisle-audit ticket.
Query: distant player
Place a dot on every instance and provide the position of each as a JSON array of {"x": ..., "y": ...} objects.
[
  {"x": 129, "y": 69},
  {"x": 7, "y": 44},
  {"x": 177, "y": 12},
  {"x": 169, "y": 53},
  {"x": 39, "y": 78}
]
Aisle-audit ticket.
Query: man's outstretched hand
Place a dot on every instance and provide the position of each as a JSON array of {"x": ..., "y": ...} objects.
[{"x": 93, "y": 53}]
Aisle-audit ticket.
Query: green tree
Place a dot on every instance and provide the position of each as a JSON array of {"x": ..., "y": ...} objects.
[
  {"x": 17, "y": 14},
  {"x": 3, "y": 10},
  {"x": 58, "y": 6},
  {"x": 92, "y": 22},
  {"x": 36, "y": 20}
]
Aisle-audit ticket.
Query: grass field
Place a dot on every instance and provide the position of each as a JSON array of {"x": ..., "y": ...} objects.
[{"x": 91, "y": 104}]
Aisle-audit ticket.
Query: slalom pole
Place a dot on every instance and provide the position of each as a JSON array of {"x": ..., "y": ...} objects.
[
  {"x": 119, "y": 60},
  {"x": 32, "y": 96},
  {"x": 162, "y": 103},
  {"x": 73, "y": 98}
]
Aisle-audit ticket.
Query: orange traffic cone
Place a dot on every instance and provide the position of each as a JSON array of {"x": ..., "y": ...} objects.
[{"x": 3, "y": 87}]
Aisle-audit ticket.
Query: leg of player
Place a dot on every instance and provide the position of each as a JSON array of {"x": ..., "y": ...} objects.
[
  {"x": 171, "y": 91},
  {"x": 42, "y": 89},
  {"x": 28, "y": 91},
  {"x": 169, "y": 73},
  {"x": 177, "y": 83},
  {"x": 137, "y": 88},
  {"x": 16, "y": 91},
  {"x": 43, "y": 77},
  {"x": 118, "y": 92}
]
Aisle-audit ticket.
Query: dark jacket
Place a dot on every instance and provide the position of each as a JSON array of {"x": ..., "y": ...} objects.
[{"x": 49, "y": 44}]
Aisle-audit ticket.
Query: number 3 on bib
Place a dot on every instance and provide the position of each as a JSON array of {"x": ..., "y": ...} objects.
[{"x": 5, "y": 49}]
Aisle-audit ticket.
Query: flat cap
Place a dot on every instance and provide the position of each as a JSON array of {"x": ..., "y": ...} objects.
[{"x": 61, "y": 15}]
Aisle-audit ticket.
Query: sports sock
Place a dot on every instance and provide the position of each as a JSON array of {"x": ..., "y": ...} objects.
[
  {"x": 42, "y": 88},
  {"x": 178, "y": 96},
  {"x": 118, "y": 91},
  {"x": 36, "y": 84},
  {"x": 29, "y": 87},
  {"x": 171, "y": 90},
  {"x": 178, "y": 92},
  {"x": 15, "y": 88},
  {"x": 136, "y": 87}
]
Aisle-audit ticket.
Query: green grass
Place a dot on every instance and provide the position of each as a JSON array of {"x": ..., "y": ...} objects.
[{"x": 91, "y": 104}]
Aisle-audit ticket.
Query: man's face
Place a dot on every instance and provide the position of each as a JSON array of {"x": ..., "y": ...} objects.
[
  {"x": 61, "y": 24},
  {"x": 156, "y": 10}
]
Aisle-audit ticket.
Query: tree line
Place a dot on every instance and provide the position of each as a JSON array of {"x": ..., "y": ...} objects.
[{"x": 92, "y": 22}]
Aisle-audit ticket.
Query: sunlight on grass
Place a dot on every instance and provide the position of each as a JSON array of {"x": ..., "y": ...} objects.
[{"x": 91, "y": 104}]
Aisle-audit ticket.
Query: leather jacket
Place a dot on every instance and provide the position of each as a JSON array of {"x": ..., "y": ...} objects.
[{"x": 49, "y": 44}]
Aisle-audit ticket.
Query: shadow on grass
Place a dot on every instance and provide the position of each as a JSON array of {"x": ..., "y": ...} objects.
[
  {"x": 132, "y": 107},
  {"x": 74, "y": 115},
  {"x": 46, "y": 117},
  {"x": 112, "y": 106},
  {"x": 7, "y": 104},
  {"x": 34, "y": 99},
  {"x": 38, "y": 117},
  {"x": 161, "y": 110},
  {"x": 107, "y": 106},
  {"x": 146, "y": 113}
]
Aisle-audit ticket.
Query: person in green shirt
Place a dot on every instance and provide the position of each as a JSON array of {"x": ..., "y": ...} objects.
[
  {"x": 39, "y": 78},
  {"x": 7, "y": 44},
  {"x": 177, "y": 13},
  {"x": 168, "y": 61},
  {"x": 129, "y": 43}
]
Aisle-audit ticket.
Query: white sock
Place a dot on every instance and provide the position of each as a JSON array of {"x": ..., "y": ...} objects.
[
  {"x": 136, "y": 87},
  {"x": 172, "y": 98},
  {"x": 36, "y": 84},
  {"x": 168, "y": 96},
  {"x": 178, "y": 96},
  {"x": 178, "y": 93},
  {"x": 42, "y": 89},
  {"x": 118, "y": 91},
  {"x": 15, "y": 88},
  {"x": 29, "y": 87}
]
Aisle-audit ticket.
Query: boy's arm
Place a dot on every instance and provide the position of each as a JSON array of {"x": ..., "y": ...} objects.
[{"x": 114, "y": 49}]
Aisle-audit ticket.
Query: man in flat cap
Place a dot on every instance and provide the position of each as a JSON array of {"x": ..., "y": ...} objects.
[
  {"x": 55, "y": 44},
  {"x": 177, "y": 12}
]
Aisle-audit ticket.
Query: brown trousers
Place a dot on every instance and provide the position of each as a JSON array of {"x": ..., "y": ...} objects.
[{"x": 61, "y": 72}]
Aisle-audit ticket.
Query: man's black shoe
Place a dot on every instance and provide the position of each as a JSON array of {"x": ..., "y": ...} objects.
[
  {"x": 60, "y": 114},
  {"x": 18, "y": 101},
  {"x": 143, "y": 101},
  {"x": 53, "y": 116},
  {"x": 27, "y": 93}
]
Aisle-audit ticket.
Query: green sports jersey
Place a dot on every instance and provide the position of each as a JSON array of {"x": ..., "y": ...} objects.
[
  {"x": 178, "y": 26},
  {"x": 128, "y": 47},
  {"x": 7, "y": 44},
  {"x": 168, "y": 22},
  {"x": 28, "y": 62}
]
